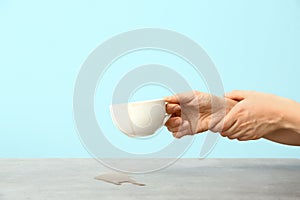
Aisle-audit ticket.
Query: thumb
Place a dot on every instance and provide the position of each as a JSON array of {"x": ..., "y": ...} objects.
[
  {"x": 171, "y": 99},
  {"x": 237, "y": 95},
  {"x": 182, "y": 97}
]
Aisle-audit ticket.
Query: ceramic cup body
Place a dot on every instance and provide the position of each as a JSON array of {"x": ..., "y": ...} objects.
[{"x": 139, "y": 119}]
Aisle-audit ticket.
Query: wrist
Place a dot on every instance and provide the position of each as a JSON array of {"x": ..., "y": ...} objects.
[{"x": 290, "y": 113}]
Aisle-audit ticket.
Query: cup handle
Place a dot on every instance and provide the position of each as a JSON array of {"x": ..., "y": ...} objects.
[{"x": 167, "y": 117}]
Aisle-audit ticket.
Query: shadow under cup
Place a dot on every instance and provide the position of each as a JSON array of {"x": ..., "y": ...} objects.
[{"x": 139, "y": 119}]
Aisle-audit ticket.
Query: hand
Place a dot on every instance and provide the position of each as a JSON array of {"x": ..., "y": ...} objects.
[
  {"x": 192, "y": 112},
  {"x": 254, "y": 116}
]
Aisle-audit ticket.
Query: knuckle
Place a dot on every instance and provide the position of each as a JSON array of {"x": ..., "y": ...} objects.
[
  {"x": 217, "y": 127},
  {"x": 255, "y": 138},
  {"x": 224, "y": 134},
  {"x": 173, "y": 122},
  {"x": 177, "y": 122},
  {"x": 176, "y": 129},
  {"x": 235, "y": 91},
  {"x": 241, "y": 110},
  {"x": 231, "y": 137},
  {"x": 177, "y": 135},
  {"x": 190, "y": 133}
]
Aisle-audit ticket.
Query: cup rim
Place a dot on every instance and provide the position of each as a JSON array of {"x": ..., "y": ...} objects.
[{"x": 139, "y": 102}]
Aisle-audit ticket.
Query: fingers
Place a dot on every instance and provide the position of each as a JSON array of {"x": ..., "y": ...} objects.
[
  {"x": 173, "y": 109},
  {"x": 237, "y": 95},
  {"x": 244, "y": 138},
  {"x": 234, "y": 131},
  {"x": 174, "y": 124},
  {"x": 178, "y": 127},
  {"x": 171, "y": 99},
  {"x": 180, "y": 134},
  {"x": 183, "y": 130},
  {"x": 181, "y": 97},
  {"x": 230, "y": 121},
  {"x": 239, "y": 138},
  {"x": 241, "y": 135},
  {"x": 231, "y": 128},
  {"x": 234, "y": 136}
]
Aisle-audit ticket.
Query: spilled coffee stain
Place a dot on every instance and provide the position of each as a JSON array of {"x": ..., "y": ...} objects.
[{"x": 117, "y": 178}]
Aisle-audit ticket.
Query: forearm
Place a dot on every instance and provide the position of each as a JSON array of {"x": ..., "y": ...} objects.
[
  {"x": 291, "y": 116},
  {"x": 289, "y": 131},
  {"x": 284, "y": 137}
]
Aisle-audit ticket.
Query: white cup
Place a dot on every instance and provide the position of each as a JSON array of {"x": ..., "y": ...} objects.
[{"x": 139, "y": 119}]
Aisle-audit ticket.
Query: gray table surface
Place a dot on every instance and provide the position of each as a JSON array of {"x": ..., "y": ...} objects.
[{"x": 186, "y": 179}]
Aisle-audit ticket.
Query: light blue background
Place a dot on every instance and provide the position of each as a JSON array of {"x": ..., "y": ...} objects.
[{"x": 254, "y": 45}]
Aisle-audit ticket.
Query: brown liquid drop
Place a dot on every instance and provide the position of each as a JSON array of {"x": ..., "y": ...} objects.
[{"x": 117, "y": 178}]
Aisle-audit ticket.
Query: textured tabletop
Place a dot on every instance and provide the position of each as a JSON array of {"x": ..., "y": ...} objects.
[{"x": 186, "y": 179}]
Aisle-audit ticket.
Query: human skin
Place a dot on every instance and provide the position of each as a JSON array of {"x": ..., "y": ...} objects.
[
  {"x": 260, "y": 115},
  {"x": 242, "y": 115},
  {"x": 192, "y": 112}
]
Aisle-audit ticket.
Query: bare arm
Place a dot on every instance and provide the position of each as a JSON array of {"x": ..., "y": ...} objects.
[
  {"x": 259, "y": 115},
  {"x": 284, "y": 137},
  {"x": 249, "y": 116},
  {"x": 290, "y": 133}
]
